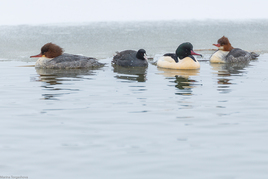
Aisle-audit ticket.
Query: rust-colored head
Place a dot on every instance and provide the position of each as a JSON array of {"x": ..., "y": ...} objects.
[
  {"x": 224, "y": 44},
  {"x": 50, "y": 50}
]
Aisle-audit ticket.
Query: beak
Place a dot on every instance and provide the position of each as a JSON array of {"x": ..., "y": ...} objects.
[
  {"x": 193, "y": 53},
  {"x": 145, "y": 57},
  {"x": 35, "y": 56},
  {"x": 217, "y": 45}
]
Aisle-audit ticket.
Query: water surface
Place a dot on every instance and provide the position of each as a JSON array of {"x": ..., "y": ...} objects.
[{"x": 133, "y": 123}]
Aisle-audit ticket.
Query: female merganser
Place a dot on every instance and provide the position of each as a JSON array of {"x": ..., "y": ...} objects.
[
  {"x": 185, "y": 62},
  {"x": 131, "y": 58},
  {"x": 52, "y": 56},
  {"x": 229, "y": 54}
]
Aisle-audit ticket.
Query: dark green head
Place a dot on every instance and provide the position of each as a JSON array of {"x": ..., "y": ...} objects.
[{"x": 185, "y": 50}]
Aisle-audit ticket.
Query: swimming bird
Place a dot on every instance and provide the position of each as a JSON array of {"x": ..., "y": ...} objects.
[
  {"x": 131, "y": 58},
  {"x": 228, "y": 54},
  {"x": 52, "y": 56},
  {"x": 182, "y": 59}
]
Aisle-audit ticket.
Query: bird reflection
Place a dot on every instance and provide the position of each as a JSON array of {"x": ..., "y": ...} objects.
[
  {"x": 185, "y": 85},
  {"x": 184, "y": 73},
  {"x": 54, "y": 78},
  {"x": 131, "y": 73},
  {"x": 225, "y": 71},
  {"x": 182, "y": 81}
]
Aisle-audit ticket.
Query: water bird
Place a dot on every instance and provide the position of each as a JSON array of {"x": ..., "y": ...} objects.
[
  {"x": 52, "y": 57},
  {"x": 182, "y": 59},
  {"x": 131, "y": 58},
  {"x": 228, "y": 54}
]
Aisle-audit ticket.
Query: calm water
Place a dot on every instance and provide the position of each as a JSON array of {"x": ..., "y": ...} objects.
[{"x": 133, "y": 123}]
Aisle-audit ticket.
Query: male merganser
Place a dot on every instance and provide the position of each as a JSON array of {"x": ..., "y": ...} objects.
[
  {"x": 131, "y": 58},
  {"x": 185, "y": 62},
  {"x": 229, "y": 54},
  {"x": 52, "y": 56}
]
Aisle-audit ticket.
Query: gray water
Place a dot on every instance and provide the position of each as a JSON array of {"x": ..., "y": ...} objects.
[{"x": 133, "y": 123}]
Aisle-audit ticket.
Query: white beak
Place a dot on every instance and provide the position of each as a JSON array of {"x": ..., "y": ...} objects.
[{"x": 145, "y": 57}]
